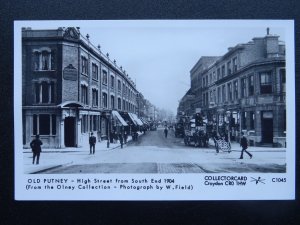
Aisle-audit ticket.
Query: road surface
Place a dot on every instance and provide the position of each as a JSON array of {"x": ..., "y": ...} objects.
[{"x": 153, "y": 153}]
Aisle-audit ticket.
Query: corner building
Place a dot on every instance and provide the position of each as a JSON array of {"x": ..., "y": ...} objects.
[
  {"x": 70, "y": 89},
  {"x": 244, "y": 91}
]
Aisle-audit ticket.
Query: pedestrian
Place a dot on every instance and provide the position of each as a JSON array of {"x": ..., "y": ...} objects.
[
  {"x": 92, "y": 141},
  {"x": 166, "y": 132},
  {"x": 35, "y": 145},
  {"x": 121, "y": 139},
  {"x": 125, "y": 137},
  {"x": 244, "y": 145}
]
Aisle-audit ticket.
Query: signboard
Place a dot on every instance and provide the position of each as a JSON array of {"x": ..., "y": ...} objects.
[{"x": 70, "y": 73}]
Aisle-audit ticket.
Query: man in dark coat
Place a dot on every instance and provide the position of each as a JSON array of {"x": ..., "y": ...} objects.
[
  {"x": 92, "y": 141},
  {"x": 166, "y": 132},
  {"x": 121, "y": 139},
  {"x": 35, "y": 145},
  {"x": 244, "y": 144}
]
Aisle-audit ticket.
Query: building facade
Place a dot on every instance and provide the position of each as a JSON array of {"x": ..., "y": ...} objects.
[
  {"x": 244, "y": 90},
  {"x": 70, "y": 88}
]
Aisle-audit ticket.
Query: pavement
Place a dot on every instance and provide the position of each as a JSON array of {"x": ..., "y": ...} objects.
[{"x": 54, "y": 158}]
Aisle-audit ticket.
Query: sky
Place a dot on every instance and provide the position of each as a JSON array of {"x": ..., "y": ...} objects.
[{"x": 159, "y": 54}]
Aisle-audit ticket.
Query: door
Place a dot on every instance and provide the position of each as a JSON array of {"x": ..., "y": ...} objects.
[
  {"x": 267, "y": 127},
  {"x": 70, "y": 132}
]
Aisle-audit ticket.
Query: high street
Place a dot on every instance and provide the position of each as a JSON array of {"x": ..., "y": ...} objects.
[{"x": 153, "y": 153}]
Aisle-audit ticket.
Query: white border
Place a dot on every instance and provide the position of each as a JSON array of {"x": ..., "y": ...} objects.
[{"x": 270, "y": 190}]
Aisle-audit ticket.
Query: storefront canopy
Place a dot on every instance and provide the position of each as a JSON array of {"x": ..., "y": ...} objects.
[
  {"x": 117, "y": 115},
  {"x": 138, "y": 121},
  {"x": 131, "y": 115}
]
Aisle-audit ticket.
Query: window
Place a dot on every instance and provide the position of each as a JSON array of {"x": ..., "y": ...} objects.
[
  {"x": 124, "y": 105},
  {"x": 211, "y": 96},
  {"x": 210, "y": 78},
  {"x": 214, "y": 76},
  {"x": 235, "y": 89},
  {"x": 104, "y": 77},
  {"x": 44, "y": 124},
  {"x": 95, "y": 71},
  {"x": 251, "y": 85},
  {"x": 119, "y": 86},
  {"x": 223, "y": 71},
  {"x": 228, "y": 68},
  {"x": 42, "y": 60},
  {"x": 243, "y": 87},
  {"x": 104, "y": 100},
  {"x": 214, "y": 96},
  {"x": 112, "y": 82},
  {"x": 204, "y": 100},
  {"x": 112, "y": 101},
  {"x": 84, "y": 124},
  {"x": 44, "y": 92},
  {"x": 203, "y": 83},
  {"x": 219, "y": 94},
  {"x": 84, "y": 94},
  {"x": 229, "y": 88},
  {"x": 206, "y": 81},
  {"x": 234, "y": 61},
  {"x": 283, "y": 80},
  {"x": 95, "y": 97},
  {"x": 119, "y": 104},
  {"x": 223, "y": 93},
  {"x": 84, "y": 65},
  {"x": 265, "y": 83},
  {"x": 218, "y": 73}
]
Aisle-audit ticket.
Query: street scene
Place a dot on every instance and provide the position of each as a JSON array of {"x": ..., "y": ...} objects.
[
  {"x": 206, "y": 106},
  {"x": 153, "y": 153}
]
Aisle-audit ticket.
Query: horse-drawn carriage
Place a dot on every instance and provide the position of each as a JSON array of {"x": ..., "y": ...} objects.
[{"x": 195, "y": 135}]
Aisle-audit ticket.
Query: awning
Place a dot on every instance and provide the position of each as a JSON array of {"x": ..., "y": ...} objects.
[
  {"x": 138, "y": 121},
  {"x": 132, "y": 118},
  {"x": 116, "y": 114},
  {"x": 144, "y": 121}
]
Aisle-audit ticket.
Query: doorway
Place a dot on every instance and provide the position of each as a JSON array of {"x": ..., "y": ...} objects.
[
  {"x": 70, "y": 140},
  {"x": 267, "y": 127}
]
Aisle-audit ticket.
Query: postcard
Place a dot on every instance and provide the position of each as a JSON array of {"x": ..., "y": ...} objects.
[{"x": 154, "y": 110}]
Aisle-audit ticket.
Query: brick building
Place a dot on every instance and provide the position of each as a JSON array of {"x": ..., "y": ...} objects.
[
  {"x": 70, "y": 88},
  {"x": 244, "y": 90}
]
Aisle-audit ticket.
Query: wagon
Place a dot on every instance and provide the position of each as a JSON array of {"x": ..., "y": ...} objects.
[{"x": 222, "y": 145}]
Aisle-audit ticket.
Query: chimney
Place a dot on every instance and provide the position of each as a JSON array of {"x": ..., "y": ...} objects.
[{"x": 268, "y": 31}]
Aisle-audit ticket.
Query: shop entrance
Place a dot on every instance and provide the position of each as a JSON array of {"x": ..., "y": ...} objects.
[
  {"x": 267, "y": 127},
  {"x": 70, "y": 140}
]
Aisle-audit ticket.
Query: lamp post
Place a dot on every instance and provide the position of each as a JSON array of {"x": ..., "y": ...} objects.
[
  {"x": 108, "y": 128},
  {"x": 228, "y": 125}
]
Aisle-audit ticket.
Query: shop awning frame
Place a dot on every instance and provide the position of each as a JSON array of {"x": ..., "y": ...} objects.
[{"x": 120, "y": 118}]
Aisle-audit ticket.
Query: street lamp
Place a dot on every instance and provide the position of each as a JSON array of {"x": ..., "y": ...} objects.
[{"x": 228, "y": 113}]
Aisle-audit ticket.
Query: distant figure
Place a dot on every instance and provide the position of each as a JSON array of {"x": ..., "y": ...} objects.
[
  {"x": 92, "y": 141},
  {"x": 125, "y": 137},
  {"x": 121, "y": 139},
  {"x": 166, "y": 132},
  {"x": 35, "y": 145},
  {"x": 244, "y": 144}
]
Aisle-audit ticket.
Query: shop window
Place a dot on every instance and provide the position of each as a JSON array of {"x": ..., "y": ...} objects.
[
  {"x": 265, "y": 83},
  {"x": 43, "y": 124}
]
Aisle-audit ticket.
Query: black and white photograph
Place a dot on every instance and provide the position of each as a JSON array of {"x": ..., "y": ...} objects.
[{"x": 148, "y": 109}]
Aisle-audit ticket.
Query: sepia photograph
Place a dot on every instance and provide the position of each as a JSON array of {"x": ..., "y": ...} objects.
[{"x": 142, "y": 100}]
